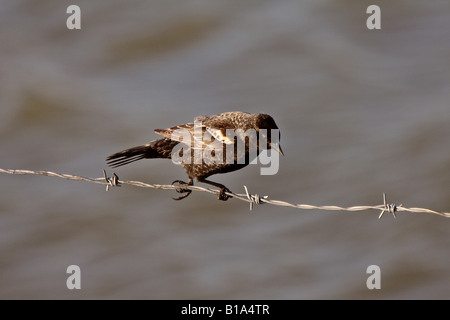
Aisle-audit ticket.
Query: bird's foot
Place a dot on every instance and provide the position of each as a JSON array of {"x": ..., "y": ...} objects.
[
  {"x": 222, "y": 195},
  {"x": 186, "y": 192}
]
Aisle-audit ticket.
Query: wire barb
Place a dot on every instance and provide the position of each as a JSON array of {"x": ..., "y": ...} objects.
[
  {"x": 391, "y": 208},
  {"x": 111, "y": 182},
  {"x": 252, "y": 199}
]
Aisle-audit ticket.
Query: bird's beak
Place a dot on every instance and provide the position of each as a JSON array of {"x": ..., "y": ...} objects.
[{"x": 277, "y": 147}]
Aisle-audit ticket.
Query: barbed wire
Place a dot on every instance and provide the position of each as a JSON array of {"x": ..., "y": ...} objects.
[{"x": 247, "y": 197}]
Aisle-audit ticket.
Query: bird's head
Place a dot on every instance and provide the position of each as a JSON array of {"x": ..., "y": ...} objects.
[{"x": 264, "y": 121}]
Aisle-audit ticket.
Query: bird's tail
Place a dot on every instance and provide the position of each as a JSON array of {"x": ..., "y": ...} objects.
[{"x": 161, "y": 148}]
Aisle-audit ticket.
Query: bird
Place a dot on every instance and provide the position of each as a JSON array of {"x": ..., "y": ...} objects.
[{"x": 212, "y": 138}]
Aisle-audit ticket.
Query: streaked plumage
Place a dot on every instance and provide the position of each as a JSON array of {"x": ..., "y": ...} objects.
[{"x": 215, "y": 127}]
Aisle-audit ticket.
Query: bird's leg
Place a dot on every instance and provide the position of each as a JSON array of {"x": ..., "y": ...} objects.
[
  {"x": 186, "y": 192},
  {"x": 223, "y": 189}
]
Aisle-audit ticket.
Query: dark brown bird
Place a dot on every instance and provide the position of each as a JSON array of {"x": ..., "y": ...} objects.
[{"x": 211, "y": 138}]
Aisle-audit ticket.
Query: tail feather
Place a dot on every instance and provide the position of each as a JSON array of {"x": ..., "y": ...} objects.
[
  {"x": 126, "y": 156},
  {"x": 161, "y": 148}
]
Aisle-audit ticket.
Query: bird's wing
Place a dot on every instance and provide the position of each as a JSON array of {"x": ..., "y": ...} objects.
[
  {"x": 218, "y": 128},
  {"x": 190, "y": 132},
  {"x": 175, "y": 133},
  {"x": 183, "y": 133}
]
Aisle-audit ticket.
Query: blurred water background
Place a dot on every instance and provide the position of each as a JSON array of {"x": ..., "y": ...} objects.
[{"x": 361, "y": 112}]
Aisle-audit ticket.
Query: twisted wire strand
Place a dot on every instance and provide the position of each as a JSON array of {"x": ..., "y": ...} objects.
[{"x": 247, "y": 197}]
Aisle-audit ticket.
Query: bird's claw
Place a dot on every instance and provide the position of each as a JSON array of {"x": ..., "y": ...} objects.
[
  {"x": 186, "y": 192},
  {"x": 222, "y": 195}
]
